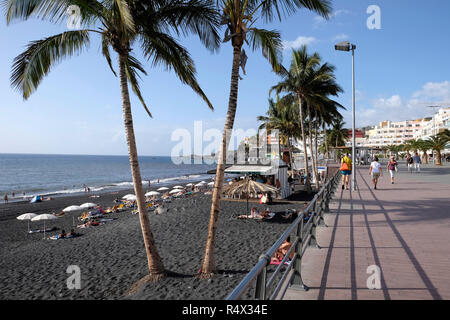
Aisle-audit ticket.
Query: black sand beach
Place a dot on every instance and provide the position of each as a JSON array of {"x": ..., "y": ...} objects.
[{"x": 111, "y": 257}]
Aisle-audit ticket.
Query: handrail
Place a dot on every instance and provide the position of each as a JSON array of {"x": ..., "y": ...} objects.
[{"x": 305, "y": 236}]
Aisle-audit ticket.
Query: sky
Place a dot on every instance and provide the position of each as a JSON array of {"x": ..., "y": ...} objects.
[{"x": 400, "y": 69}]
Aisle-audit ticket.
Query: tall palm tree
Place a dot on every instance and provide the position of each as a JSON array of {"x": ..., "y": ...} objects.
[
  {"x": 323, "y": 85},
  {"x": 437, "y": 143},
  {"x": 121, "y": 25},
  {"x": 239, "y": 16},
  {"x": 283, "y": 118},
  {"x": 301, "y": 83}
]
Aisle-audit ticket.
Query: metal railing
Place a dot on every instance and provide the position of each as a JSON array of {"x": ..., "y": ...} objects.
[{"x": 305, "y": 236}]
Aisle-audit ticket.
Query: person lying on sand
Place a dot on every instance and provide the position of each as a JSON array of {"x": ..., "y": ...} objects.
[
  {"x": 281, "y": 252},
  {"x": 88, "y": 224},
  {"x": 254, "y": 214}
]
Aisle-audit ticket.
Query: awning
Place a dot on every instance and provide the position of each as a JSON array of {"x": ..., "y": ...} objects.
[{"x": 249, "y": 169}]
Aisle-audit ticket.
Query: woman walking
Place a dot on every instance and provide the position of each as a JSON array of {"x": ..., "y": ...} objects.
[
  {"x": 392, "y": 167},
  {"x": 375, "y": 171},
  {"x": 346, "y": 170}
]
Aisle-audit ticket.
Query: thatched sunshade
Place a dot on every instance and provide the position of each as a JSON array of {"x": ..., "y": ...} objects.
[{"x": 248, "y": 186}]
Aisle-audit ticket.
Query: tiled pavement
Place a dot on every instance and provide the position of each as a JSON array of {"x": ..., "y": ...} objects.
[{"x": 403, "y": 228}]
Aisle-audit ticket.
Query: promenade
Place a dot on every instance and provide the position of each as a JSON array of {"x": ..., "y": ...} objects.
[{"x": 404, "y": 228}]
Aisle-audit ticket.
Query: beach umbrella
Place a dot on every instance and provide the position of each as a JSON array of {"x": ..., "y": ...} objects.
[
  {"x": 152, "y": 193},
  {"x": 200, "y": 184},
  {"x": 72, "y": 208},
  {"x": 27, "y": 216},
  {"x": 175, "y": 191},
  {"x": 163, "y": 189},
  {"x": 189, "y": 185},
  {"x": 44, "y": 217},
  {"x": 211, "y": 183},
  {"x": 127, "y": 195},
  {"x": 247, "y": 186},
  {"x": 178, "y": 187},
  {"x": 131, "y": 198},
  {"x": 88, "y": 205}
]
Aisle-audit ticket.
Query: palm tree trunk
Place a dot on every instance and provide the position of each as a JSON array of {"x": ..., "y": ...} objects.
[
  {"x": 305, "y": 152},
  {"x": 290, "y": 158},
  {"x": 155, "y": 264},
  {"x": 209, "y": 264},
  {"x": 313, "y": 158},
  {"x": 425, "y": 157},
  {"x": 316, "y": 146},
  {"x": 438, "y": 157},
  {"x": 326, "y": 140}
]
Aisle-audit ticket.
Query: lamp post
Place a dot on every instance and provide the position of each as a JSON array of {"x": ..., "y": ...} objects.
[{"x": 347, "y": 46}]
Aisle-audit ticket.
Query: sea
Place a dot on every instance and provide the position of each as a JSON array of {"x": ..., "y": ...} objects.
[{"x": 28, "y": 175}]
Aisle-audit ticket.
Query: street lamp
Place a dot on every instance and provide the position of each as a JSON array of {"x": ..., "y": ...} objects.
[{"x": 347, "y": 46}]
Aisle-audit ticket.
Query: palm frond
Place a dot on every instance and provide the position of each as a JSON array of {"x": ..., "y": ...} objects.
[
  {"x": 132, "y": 67},
  {"x": 270, "y": 43},
  {"x": 162, "y": 49},
  {"x": 51, "y": 10},
  {"x": 36, "y": 61}
]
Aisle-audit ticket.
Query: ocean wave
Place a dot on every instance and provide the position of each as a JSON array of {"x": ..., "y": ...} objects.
[{"x": 117, "y": 186}]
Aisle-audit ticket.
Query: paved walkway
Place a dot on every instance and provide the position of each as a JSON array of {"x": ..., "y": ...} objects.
[{"x": 402, "y": 228}]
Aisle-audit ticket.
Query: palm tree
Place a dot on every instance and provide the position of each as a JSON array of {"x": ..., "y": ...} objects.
[
  {"x": 310, "y": 83},
  {"x": 283, "y": 118},
  {"x": 121, "y": 25},
  {"x": 338, "y": 134},
  {"x": 437, "y": 143},
  {"x": 239, "y": 17},
  {"x": 323, "y": 85}
]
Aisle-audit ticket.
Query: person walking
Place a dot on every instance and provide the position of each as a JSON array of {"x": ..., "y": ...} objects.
[
  {"x": 346, "y": 170},
  {"x": 5, "y": 198},
  {"x": 375, "y": 171},
  {"x": 417, "y": 162},
  {"x": 410, "y": 163},
  {"x": 392, "y": 167}
]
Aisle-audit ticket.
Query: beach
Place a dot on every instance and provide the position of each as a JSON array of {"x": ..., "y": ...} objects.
[{"x": 111, "y": 257}]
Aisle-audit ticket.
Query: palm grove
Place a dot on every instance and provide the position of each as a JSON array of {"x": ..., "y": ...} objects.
[{"x": 152, "y": 28}]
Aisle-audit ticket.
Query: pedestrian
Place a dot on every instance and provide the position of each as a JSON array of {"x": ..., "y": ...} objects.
[
  {"x": 375, "y": 171},
  {"x": 417, "y": 162},
  {"x": 410, "y": 162},
  {"x": 5, "y": 198},
  {"x": 346, "y": 170},
  {"x": 392, "y": 167}
]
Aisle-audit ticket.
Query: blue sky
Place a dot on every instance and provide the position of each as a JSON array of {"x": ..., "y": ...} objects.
[{"x": 77, "y": 108}]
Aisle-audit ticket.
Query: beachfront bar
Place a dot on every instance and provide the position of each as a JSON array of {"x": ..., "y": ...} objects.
[{"x": 277, "y": 174}]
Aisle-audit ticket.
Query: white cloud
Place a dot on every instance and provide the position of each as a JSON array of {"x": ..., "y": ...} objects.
[
  {"x": 319, "y": 21},
  {"x": 434, "y": 92},
  {"x": 395, "y": 108},
  {"x": 341, "y": 36},
  {"x": 297, "y": 43}
]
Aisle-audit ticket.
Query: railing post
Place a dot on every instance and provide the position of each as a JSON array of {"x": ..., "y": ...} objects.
[
  {"x": 260, "y": 289},
  {"x": 296, "y": 280},
  {"x": 321, "y": 210},
  {"x": 313, "y": 240}
]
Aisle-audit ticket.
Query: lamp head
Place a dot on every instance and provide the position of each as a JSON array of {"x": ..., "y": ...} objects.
[{"x": 343, "y": 46}]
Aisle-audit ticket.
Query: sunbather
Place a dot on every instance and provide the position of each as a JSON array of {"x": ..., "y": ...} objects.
[
  {"x": 254, "y": 214},
  {"x": 281, "y": 252}
]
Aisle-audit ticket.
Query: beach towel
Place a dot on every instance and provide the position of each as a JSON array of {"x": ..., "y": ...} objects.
[
  {"x": 277, "y": 262},
  {"x": 42, "y": 230}
]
